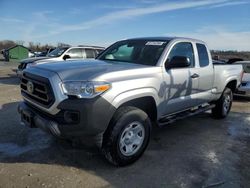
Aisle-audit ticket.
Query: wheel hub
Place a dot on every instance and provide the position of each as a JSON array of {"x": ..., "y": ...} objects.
[
  {"x": 131, "y": 138},
  {"x": 227, "y": 102}
]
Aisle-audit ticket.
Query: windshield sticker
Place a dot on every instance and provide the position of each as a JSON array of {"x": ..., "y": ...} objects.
[{"x": 155, "y": 43}]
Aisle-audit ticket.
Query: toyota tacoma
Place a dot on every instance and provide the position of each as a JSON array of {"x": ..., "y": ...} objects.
[{"x": 114, "y": 100}]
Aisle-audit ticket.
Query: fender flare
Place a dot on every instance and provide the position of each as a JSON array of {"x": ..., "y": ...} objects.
[{"x": 134, "y": 94}]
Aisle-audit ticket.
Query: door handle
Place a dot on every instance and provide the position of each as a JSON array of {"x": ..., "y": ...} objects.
[{"x": 195, "y": 75}]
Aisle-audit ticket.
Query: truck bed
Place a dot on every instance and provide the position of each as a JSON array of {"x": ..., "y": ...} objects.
[{"x": 222, "y": 71}]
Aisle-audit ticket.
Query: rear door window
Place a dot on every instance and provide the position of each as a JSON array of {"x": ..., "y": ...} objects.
[
  {"x": 90, "y": 53},
  {"x": 203, "y": 55}
]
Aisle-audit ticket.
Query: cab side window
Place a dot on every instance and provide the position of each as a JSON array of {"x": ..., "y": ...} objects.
[
  {"x": 75, "y": 53},
  {"x": 184, "y": 49},
  {"x": 98, "y": 51},
  {"x": 203, "y": 55},
  {"x": 90, "y": 53}
]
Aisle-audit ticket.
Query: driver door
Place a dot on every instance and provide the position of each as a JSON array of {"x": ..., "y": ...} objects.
[{"x": 181, "y": 83}]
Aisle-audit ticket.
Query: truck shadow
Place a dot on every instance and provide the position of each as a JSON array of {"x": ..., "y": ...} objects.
[
  {"x": 10, "y": 80},
  {"x": 241, "y": 99},
  {"x": 178, "y": 149}
]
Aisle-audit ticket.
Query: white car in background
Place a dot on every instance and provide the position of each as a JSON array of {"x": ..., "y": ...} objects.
[
  {"x": 61, "y": 54},
  {"x": 244, "y": 89}
]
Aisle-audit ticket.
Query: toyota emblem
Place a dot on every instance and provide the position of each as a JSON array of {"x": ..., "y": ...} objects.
[{"x": 30, "y": 87}]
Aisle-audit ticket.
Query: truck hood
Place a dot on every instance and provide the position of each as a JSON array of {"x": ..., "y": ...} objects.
[
  {"x": 34, "y": 59},
  {"x": 87, "y": 69}
]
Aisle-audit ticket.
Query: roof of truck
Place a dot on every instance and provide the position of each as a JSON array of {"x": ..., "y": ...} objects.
[{"x": 166, "y": 39}]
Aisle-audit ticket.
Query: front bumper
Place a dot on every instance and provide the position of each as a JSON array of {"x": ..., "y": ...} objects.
[
  {"x": 19, "y": 73},
  {"x": 33, "y": 120},
  {"x": 91, "y": 119}
]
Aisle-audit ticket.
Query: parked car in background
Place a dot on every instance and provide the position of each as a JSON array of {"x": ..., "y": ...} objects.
[
  {"x": 218, "y": 62},
  {"x": 244, "y": 89},
  {"x": 45, "y": 53},
  {"x": 233, "y": 60},
  {"x": 31, "y": 54},
  {"x": 115, "y": 99},
  {"x": 60, "y": 54}
]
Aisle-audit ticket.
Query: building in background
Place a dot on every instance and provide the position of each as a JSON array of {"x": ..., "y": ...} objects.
[{"x": 16, "y": 53}]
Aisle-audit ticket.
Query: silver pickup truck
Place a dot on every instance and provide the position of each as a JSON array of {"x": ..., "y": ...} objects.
[{"x": 114, "y": 100}]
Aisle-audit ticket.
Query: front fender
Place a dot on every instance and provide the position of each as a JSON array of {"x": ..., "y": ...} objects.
[{"x": 134, "y": 94}]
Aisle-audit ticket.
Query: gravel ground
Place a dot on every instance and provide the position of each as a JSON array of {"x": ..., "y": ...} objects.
[{"x": 195, "y": 152}]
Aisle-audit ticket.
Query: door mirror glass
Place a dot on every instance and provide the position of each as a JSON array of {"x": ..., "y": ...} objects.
[
  {"x": 66, "y": 57},
  {"x": 180, "y": 56},
  {"x": 178, "y": 62}
]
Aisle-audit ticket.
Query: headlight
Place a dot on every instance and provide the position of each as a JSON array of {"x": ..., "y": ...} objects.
[{"x": 84, "y": 89}]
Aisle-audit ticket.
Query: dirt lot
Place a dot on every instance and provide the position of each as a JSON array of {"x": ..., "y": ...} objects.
[{"x": 195, "y": 152}]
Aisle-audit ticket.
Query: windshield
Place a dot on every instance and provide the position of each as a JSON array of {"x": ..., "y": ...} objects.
[
  {"x": 57, "y": 52},
  {"x": 144, "y": 52}
]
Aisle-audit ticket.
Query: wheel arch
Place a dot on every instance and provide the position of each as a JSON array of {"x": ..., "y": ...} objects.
[
  {"x": 146, "y": 104},
  {"x": 145, "y": 99},
  {"x": 232, "y": 84}
]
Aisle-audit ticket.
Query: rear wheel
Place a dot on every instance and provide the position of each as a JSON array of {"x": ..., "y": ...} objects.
[
  {"x": 127, "y": 136},
  {"x": 223, "y": 105}
]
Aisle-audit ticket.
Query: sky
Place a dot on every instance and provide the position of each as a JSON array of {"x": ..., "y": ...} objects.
[{"x": 223, "y": 24}]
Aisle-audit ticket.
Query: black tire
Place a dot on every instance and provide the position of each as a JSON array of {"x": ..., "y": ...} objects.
[
  {"x": 222, "y": 109},
  {"x": 122, "y": 121}
]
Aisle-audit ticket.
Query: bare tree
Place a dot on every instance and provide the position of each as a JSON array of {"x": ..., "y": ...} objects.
[
  {"x": 60, "y": 44},
  {"x": 5, "y": 44},
  {"x": 20, "y": 42}
]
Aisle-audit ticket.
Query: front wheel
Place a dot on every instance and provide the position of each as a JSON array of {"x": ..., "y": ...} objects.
[
  {"x": 223, "y": 105},
  {"x": 127, "y": 136}
]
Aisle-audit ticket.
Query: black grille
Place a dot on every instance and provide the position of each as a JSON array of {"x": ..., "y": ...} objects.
[{"x": 41, "y": 92}]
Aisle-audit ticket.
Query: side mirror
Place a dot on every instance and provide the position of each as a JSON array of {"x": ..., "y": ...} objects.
[
  {"x": 178, "y": 62},
  {"x": 66, "y": 57}
]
